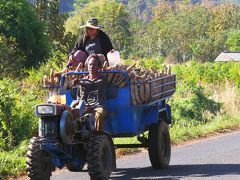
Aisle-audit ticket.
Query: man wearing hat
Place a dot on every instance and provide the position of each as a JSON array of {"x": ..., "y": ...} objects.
[{"x": 94, "y": 41}]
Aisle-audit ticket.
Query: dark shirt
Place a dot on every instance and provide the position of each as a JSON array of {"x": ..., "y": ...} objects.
[
  {"x": 105, "y": 43},
  {"x": 93, "y": 46},
  {"x": 94, "y": 93}
]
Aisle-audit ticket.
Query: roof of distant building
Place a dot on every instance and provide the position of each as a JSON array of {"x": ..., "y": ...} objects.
[{"x": 228, "y": 56}]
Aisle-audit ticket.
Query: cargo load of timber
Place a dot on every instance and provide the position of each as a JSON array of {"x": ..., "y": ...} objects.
[{"x": 146, "y": 85}]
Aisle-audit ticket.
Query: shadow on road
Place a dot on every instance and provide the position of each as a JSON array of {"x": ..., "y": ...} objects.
[{"x": 178, "y": 171}]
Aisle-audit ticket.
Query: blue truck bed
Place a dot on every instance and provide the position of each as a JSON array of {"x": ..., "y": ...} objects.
[{"x": 125, "y": 119}]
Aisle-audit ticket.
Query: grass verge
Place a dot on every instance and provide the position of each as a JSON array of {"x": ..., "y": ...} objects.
[
  {"x": 12, "y": 163},
  {"x": 218, "y": 124}
]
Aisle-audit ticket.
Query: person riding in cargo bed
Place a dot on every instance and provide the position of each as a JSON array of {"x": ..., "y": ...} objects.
[
  {"x": 93, "y": 90},
  {"x": 94, "y": 41}
]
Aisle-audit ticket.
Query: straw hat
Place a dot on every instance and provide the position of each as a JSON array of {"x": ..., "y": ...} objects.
[{"x": 92, "y": 23}]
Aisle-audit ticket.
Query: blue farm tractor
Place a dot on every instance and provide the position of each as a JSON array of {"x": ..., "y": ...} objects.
[{"x": 67, "y": 137}]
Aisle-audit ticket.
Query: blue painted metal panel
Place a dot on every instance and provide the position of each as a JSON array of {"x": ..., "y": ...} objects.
[
  {"x": 57, "y": 162},
  {"x": 69, "y": 98},
  {"x": 60, "y": 157},
  {"x": 124, "y": 118}
]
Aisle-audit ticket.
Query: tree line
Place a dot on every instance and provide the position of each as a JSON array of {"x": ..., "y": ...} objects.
[{"x": 177, "y": 31}]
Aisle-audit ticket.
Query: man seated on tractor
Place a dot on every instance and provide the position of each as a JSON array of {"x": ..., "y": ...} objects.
[{"x": 93, "y": 90}]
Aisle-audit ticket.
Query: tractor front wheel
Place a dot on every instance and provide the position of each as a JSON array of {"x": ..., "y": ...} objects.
[
  {"x": 39, "y": 165},
  {"x": 159, "y": 145},
  {"x": 99, "y": 157}
]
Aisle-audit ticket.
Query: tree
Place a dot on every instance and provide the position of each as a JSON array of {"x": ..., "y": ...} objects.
[
  {"x": 12, "y": 60},
  {"x": 80, "y": 3},
  {"x": 163, "y": 10},
  {"x": 20, "y": 22},
  {"x": 111, "y": 15},
  {"x": 233, "y": 41},
  {"x": 193, "y": 31},
  {"x": 182, "y": 34},
  {"x": 225, "y": 17},
  {"x": 48, "y": 12},
  {"x": 141, "y": 9}
]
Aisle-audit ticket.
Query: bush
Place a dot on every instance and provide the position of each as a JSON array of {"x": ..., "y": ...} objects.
[
  {"x": 12, "y": 60},
  {"x": 193, "y": 102},
  {"x": 192, "y": 106},
  {"x": 209, "y": 73},
  {"x": 18, "y": 99},
  {"x": 17, "y": 114},
  {"x": 13, "y": 162}
]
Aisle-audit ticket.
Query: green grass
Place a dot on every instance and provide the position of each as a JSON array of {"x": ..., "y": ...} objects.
[
  {"x": 219, "y": 124},
  {"x": 13, "y": 163}
]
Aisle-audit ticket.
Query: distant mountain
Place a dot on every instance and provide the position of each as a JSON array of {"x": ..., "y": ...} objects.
[
  {"x": 138, "y": 8},
  {"x": 66, "y": 5}
]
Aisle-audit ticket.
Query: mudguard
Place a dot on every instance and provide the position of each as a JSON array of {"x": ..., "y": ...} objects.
[
  {"x": 166, "y": 115},
  {"x": 66, "y": 127}
]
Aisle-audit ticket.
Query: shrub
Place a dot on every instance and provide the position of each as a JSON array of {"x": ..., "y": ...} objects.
[{"x": 190, "y": 104}]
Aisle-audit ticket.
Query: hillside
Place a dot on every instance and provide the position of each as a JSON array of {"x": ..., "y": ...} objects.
[
  {"x": 66, "y": 5},
  {"x": 141, "y": 5}
]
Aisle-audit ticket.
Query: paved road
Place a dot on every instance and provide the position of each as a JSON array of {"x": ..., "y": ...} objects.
[{"x": 214, "y": 158}]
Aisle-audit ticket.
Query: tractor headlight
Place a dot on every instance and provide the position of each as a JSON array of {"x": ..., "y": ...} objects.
[{"x": 46, "y": 110}]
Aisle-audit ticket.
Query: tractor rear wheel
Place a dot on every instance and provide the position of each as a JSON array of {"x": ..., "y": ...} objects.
[
  {"x": 159, "y": 145},
  {"x": 39, "y": 165},
  {"x": 99, "y": 157}
]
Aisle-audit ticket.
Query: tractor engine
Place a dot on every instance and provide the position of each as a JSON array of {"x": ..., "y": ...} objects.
[
  {"x": 50, "y": 115},
  {"x": 61, "y": 123},
  {"x": 63, "y": 132}
]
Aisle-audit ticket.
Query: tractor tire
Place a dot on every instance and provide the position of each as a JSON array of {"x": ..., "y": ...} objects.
[
  {"x": 99, "y": 157},
  {"x": 159, "y": 145},
  {"x": 39, "y": 165}
]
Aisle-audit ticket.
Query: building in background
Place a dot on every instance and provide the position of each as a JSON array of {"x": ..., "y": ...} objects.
[{"x": 228, "y": 56}]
